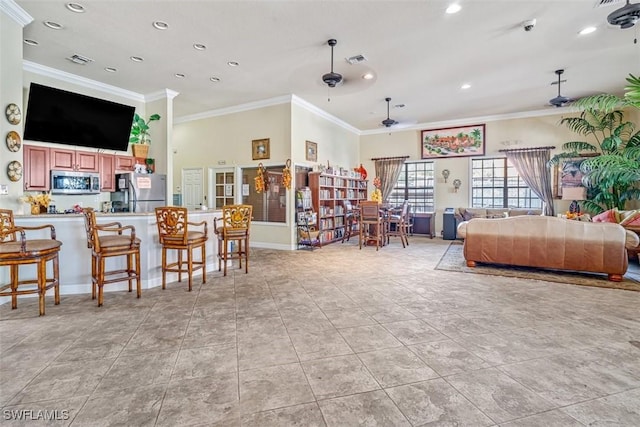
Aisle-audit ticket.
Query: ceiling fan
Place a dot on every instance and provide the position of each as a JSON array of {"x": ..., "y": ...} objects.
[
  {"x": 559, "y": 101},
  {"x": 332, "y": 79},
  {"x": 388, "y": 122},
  {"x": 626, "y": 16}
]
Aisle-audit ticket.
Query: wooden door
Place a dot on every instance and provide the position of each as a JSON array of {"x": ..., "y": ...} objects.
[
  {"x": 107, "y": 172},
  {"x": 36, "y": 168}
]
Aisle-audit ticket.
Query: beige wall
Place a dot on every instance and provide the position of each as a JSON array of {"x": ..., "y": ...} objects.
[{"x": 529, "y": 132}]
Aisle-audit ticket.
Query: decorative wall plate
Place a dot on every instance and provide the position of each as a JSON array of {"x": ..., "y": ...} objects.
[
  {"x": 13, "y": 141},
  {"x": 14, "y": 171},
  {"x": 13, "y": 114}
]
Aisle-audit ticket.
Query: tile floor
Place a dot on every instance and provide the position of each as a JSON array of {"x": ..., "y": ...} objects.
[{"x": 334, "y": 337}]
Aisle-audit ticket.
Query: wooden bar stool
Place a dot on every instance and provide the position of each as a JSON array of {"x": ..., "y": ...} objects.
[
  {"x": 236, "y": 224},
  {"x": 14, "y": 253},
  {"x": 371, "y": 225},
  {"x": 106, "y": 241},
  {"x": 174, "y": 233}
]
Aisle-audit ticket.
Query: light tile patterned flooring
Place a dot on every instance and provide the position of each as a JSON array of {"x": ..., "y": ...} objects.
[{"x": 338, "y": 337}]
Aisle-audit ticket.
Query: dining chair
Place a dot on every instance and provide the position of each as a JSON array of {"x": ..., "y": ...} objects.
[
  {"x": 16, "y": 252},
  {"x": 110, "y": 240},
  {"x": 351, "y": 220},
  {"x": 177, "y": 233},
  {"x": 371, "y": 225},
  {"x": 233, "y": 235},
  {"x": 396, "y": 224}
]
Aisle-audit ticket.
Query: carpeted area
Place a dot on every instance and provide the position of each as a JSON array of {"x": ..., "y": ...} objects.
[{"x": 453, "y": 260}]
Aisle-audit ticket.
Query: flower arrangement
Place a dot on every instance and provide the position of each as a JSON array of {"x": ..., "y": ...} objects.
[
  {"x": 376, "y": 196},
  {"x": 39, "y": 202}
]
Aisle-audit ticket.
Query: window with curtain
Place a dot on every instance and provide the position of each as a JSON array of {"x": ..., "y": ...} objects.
[
  {"x": 415, "y": 184},
  {"x": 495, "y": 183},
  {"x": 270, "y": 205}
]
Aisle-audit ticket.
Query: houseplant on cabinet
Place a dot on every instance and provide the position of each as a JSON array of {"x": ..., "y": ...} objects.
[{"x": 140, "y": 137}]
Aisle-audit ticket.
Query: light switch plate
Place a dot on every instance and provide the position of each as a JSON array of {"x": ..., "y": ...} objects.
[{"x": 4, "y": 189}]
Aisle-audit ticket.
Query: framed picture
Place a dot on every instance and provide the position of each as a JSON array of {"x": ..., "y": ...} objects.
[
  {"x": 260, "y": 149},
  {"x": 311, "y": 151},
  {"x": 568, "y": 174},
  {"x": 461, "y": 141}
]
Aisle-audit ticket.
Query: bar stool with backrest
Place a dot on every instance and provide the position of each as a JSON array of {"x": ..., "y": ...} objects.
[
  {"x": 14, "y": 253},
  {"x": 107, "y": 241},
  {"x": 177, "y": 233},
  {"x": 397, "y": 224},
  {"x": 371, "y": 225},
  {"x": 235, "y": 228},
  {"x": 351, "y": 220}
]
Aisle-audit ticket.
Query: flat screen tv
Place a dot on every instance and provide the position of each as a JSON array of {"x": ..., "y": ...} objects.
[{"x": 55, "y": 115}]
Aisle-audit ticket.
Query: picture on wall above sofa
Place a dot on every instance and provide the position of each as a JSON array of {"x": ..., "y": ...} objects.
[{"x": 461, "y": 141}]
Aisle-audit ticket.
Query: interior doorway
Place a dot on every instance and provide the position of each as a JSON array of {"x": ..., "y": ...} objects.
[{"x": 192, "y": 188}]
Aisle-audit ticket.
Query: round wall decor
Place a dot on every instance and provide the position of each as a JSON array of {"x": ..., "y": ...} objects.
[
  {"x": 13, "y": 114},
  {"x": 14, "y": 171},
  {"x": 13, "y": 141}
]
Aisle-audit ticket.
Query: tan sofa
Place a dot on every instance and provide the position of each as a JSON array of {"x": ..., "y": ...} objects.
[{"x": 548, "y": 242}]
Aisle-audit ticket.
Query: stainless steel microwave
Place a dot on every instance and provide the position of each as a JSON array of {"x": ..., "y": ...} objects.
[{"x": 67, "y": 182}]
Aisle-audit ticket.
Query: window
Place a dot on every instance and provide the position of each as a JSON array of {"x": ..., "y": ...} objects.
[
  {"x": 271, "y": 204},
  {"x": 495, "y": 183},
  {"x": 415, "y": 184}
]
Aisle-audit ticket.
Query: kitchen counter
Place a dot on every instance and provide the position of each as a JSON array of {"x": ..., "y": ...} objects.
[{"x": 75, "y": 257}]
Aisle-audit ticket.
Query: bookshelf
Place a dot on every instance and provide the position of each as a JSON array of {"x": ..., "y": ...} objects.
[{"x": 329, "y": 194}]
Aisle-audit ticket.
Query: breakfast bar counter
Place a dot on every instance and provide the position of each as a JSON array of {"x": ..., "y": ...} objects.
[{"x": 75, "y": 256}]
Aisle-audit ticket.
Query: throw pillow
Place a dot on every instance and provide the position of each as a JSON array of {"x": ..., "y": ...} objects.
[
  {"x": 606, "y": 216},
  {"x": 474, "y": 213},
  {"x": 631, "y": 218}
]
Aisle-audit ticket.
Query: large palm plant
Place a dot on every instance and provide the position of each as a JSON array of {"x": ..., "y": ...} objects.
[{"x": 612, "y": 178}]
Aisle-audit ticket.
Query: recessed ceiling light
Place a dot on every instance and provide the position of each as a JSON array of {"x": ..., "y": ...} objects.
[
  {"x": 75, "y": 7},
  {"x": 199, "y": 46},
  {"x": 465, "y": 86},
  {"x": 214, "y": 79},
  {"x": 110, "y": 69},
  {"x": 368, "y": 76},
  {"x": 30, "y": 42},
  {"x": 160, "y": 25},
  {"x": 179, "y": 75},
  {"x": 233, "y": 63},
  {"x": 453, "y": 8},
  {"x": 587, "y": 30},
  {"x": 136, "y": 58},
  {"x": 53, "y": 25}
]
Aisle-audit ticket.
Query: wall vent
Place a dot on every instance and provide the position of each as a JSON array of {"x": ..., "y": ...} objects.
[
  {"x": 79, "y": 59},
  {"x": 356, "y": 59}
]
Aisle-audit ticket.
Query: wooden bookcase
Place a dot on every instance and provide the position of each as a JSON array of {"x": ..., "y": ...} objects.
[{"x": 329, "y": 194}]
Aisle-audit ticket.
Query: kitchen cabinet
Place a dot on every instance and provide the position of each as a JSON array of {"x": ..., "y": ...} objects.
[
  {"x": 125, "y": 163},
  {"x": 70, "y": 160},
  {"x": 107, "y": 172},
  {"x": 36, "y": 168}
]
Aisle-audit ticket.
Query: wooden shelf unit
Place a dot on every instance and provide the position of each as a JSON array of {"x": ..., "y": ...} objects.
[{"x": 329, "y": 194}]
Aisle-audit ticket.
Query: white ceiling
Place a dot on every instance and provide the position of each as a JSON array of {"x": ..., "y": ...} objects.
[{"x": 419, "y": 55}]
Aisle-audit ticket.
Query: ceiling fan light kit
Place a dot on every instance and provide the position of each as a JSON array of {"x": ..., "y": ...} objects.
[
  {"x": 331, "y": 79},
  {"x": 626, "y": 16},
  {"x": 388, "y": 122},
  {"x": 559, "y": 101}
]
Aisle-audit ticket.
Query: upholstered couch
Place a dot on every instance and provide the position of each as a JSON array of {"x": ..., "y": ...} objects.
[
  {"x": 548, "y": 242},
  {"x": 465, "y": 214}
]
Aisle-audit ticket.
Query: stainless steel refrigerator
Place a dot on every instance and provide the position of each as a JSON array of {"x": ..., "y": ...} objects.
[{"x": 139, "y": 192}]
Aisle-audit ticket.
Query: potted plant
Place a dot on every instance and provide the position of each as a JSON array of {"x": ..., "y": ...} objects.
[
  {"x": 612, "y": 177},
  {"x": 140, "y": 137}
]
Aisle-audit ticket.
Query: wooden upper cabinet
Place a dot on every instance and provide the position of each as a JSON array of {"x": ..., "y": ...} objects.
[
  {"x": 36, "y": 168},
  {"x": 125, "y": 163},
  {"x": 69, "y": 160},
  {"x": 107, "y": 172}
]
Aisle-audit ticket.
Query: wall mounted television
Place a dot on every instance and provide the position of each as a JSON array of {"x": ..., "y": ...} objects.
[{"x": 62, "y": 117}]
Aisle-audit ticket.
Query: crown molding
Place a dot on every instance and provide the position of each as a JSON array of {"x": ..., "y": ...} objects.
[
  {"x": 81, "y": 81},
  {"x": 161, "y": 94},
  {"x": 15, "y": 12},
  {"x": 466, "y": 121},
  {"x": 320, "y": 112},
  {"x": 235, "y": 109}
]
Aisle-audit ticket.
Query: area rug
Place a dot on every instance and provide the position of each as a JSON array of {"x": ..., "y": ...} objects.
[{"x": 453, "y": 260}]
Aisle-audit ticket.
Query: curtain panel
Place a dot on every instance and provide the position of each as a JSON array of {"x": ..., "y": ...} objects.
[
  {"x": 531, "y": 165},
  {"x": 388, "y": 170}
]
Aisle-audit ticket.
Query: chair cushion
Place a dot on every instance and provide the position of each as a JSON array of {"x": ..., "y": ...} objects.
[
  {"x": 116, "y": 241},
  {"x": 191, "y": 237},
  {"x": 33, "y": 246}
]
